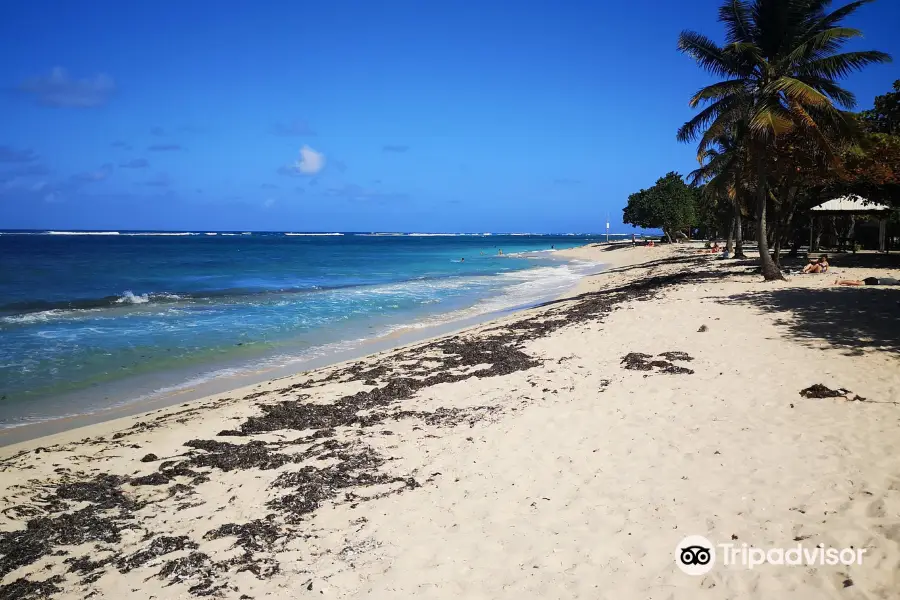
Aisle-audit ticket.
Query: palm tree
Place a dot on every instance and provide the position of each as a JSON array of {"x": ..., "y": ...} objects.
[
  {"x": 721, "y": 168},
  {"x": 779, "y": 70}
]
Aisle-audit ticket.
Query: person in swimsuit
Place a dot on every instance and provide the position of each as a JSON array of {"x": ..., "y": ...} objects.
[
  {"x": 820, "y": 266},
  {"x": 868, "y": 281}
]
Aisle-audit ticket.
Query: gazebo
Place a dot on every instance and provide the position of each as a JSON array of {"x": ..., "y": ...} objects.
[{"x": 851, "y": 205}]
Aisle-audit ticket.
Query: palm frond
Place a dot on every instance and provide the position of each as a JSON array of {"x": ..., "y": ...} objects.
[
  {"x": 746, "y": 57},
  {"x": 842, "y": 13},
  {"x": 718, "y": 128},
  {"x": 838, "y": 95},
  {"x": 720, "y": 165},
  {"x": 820, "y": 43},
  {"x": 691, "y": 130},
  {"x": 812, "y": 12},
  {"x": 797, "y": 91},
  {"x": 769, "y": 120},
  {"x": 810, "y": 125},
  {"x": 839, "y": 66},
  {"x": 738, "y": 24},
  {"x": 707, "y": 53},
  {"x": 837, "y": 124},
  {"x": 802, "y": 116},
  {"x": 717, "y": 91}
]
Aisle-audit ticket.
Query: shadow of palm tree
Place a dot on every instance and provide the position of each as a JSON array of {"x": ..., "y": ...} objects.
[{"x": 855, "y": 319}]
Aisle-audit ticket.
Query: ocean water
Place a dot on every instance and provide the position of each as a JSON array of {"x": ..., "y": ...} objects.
[{"x": 84, "y": 313}]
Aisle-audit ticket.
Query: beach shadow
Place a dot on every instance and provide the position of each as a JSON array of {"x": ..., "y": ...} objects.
[
  {"x": 854, "y": 319},
  {"x": 686, "y": 260},
  {"x": 646, "y": 284},
  {"x": 860, "y": 260},
  {"x": 615, "y": 246}
]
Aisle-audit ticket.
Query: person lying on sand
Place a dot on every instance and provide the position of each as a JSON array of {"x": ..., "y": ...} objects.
[
  {"x": 714, "y": 249},
  {"x": 820, "y": 266},
  {"x": 868, "y": 281}
]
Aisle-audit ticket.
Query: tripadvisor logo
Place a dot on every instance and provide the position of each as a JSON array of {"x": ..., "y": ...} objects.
[{"x": 696, "y": 555}]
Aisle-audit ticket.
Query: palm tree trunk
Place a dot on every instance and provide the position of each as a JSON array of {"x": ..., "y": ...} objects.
[
  {"x": 729, "y": 242},
  {"x": 738, "y": 232},
  {"x": 769, "y": 270}
]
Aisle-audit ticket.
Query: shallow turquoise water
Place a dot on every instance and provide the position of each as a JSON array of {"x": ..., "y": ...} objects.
[{"x": 78, "y": 312}]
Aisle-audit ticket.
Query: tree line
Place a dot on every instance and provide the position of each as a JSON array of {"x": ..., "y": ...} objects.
[{"x": 776, "y": 134}]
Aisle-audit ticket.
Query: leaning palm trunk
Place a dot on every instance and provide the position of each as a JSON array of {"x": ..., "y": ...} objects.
[{"x": 769, "y": 270}]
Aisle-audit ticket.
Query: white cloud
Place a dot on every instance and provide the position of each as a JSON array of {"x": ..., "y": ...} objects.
[
  {"x": 269, "y": 203},
  {"x": 311, "y": 162}
]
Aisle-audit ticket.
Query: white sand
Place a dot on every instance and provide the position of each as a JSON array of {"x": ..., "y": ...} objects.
[{"x": 580, "y": 479}]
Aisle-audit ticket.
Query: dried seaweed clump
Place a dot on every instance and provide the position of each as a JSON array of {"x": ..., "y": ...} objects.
[
  {"x": 24, "y": 589},
  {"x": 818, "y": 390},
  {"x": 638, "y": 361}
]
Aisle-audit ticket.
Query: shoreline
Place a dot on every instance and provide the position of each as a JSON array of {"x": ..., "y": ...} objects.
[
  {"x": 186, "y": 394},
  {"x": 232, "y": 375},
  {"x": 563, "y": 450}
]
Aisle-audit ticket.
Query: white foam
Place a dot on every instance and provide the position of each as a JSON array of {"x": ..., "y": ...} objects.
[
  {"x": 44, "y": 316},
  {"x": 524, "y": 288},
  {"x": 83, "y": 233},
  {"x": 436, "y": 234},
  {"x": 161, "y": 233},
  {"x": 130, "y": 298},
  {"x": 312, "y": 234}
]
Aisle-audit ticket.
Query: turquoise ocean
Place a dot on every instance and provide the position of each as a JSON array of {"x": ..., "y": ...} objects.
[{"x": 89, "y": 320}]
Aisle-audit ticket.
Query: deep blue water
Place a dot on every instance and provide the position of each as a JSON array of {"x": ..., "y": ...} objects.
[{"x": 79, "y": 312}]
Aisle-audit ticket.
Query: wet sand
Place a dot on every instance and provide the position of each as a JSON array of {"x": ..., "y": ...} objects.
[{"x": 561, "y": 451}]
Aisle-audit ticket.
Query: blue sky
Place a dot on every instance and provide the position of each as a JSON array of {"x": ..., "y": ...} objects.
[{"x": 351, "y": 116}]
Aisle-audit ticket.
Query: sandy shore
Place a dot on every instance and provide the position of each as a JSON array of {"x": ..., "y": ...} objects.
[{"x": 561, "y": 452}]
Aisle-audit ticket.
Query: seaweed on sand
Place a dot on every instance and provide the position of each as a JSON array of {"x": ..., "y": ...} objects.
[
  {"x": 638, "y": 361},
  {"x": 817, "y": 390},
  {"x": 160, "y": 546},
  {"x": 25, "y": 589}
]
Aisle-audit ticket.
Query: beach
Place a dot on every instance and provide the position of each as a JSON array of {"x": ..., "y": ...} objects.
[{"x": 562, "y": 451}]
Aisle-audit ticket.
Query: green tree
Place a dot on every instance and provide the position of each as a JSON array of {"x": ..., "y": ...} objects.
[
  {"x": 885, "y": 116},
  {"x": 669, "y": 205},
  {"x": 779, "y": 70}
]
